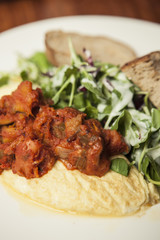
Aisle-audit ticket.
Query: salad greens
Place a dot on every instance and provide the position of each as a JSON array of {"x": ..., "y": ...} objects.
[
  {"x": 103, "y": 92},
  {"x": 120, "y": 165},
  {"x": 4, "y": 78}
]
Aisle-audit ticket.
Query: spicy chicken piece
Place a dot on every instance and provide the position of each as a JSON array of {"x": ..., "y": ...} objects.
[
  {"x": 89, "y": 159},
  {"x": 9, "y": 148},
  {"x": 5, "y": 161},
  {"x": 84, "y": 150},
  {"x": 68, "y": 112},
  {"x": 114, "y": 142},
  {"x": 22, "y": 126},
  {"x": 6, "y": 119},
  {"x": 53, "y": 125},
  {"x": 98, "y": 162},
  {"x": 49, "y": 127},
  {"x": 88, "y": 149},
  {"x": 9, "y": 133},
  {"x": 72, "y": 125},
  {"x": 72, "y": 119},
  {"x": 32, "y": 159},
  {"x": 23, "y": 99}
]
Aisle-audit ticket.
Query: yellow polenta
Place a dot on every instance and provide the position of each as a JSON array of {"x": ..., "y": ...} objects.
[{"x": 110, "y": 195}]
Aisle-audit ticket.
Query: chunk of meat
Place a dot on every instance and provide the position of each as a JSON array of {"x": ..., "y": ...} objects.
[
  {"x": 22, "y": 126},
  {"x": 48, "y": 127},
  {"x": 6, "y": 119},
  {"x": 72, "y": 125},
  {"x": 9, "y": 133},
  {"x": 32, "y": 159},
  {"x": 114, "y": 142},
  {"x": 88, "y": 152},
  {"x": 68, "y": 112},
  {"x": 23, "y": 99},
  {"x": 6, "y": 162}
]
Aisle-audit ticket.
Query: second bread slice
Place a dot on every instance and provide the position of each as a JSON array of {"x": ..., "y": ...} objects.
[
  {"x": 145, "y": 73},
  {"x": 102, "y": 48}
]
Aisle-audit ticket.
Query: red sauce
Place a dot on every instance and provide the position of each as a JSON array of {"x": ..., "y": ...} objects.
[{"x": 33, "y": 136}]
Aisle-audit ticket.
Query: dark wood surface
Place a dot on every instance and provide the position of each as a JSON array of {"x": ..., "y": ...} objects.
[{"x": 17, "y": 12}]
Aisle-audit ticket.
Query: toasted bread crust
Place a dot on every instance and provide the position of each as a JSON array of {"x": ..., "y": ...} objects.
[
  {"x": 145, "y": 73},
  {"x": 102, "y": 48}
]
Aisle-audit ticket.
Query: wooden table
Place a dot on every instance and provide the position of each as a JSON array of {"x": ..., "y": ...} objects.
[{"x": 17, "y": 12}]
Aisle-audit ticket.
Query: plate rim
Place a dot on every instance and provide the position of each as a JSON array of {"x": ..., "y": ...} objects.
[{"x": 101, "y": 17}]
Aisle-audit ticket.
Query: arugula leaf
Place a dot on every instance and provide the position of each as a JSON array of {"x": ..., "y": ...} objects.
[
  {"x": 151, "y": 170},
  {"x": 143, "y": 125},
  {"x": 28, "y": 70},
  {"x": 155, "y": 172},
  {"x": 79, "y": 101},
  {"x": 145, "y": 164},
  {"x": 59, "y": 76},
  {"x": 105, "y": 112},
  {"x": 4, "y": 79},
  {"x": 57, "y": 96},
  {"x": 24, "y": 75},
  {"x": 120, "y": 165},
  {"x": 73, "y": 81},
  {"x": 133, "y": 125},
  {"x": 155, "y": 113},
  {"x": 76, "y": 60},
  {"x": 124, "y": 125},
  {"x": 91, "y": 111},
  {"x": 39, "y": 58},
  {"x": 113, "y": 71},
  {"x": 118, "y": 94},
  {"x": 91, "y": 86},
  {"x": 119, "y": 102},
  {"x": 154, "y": 152}
]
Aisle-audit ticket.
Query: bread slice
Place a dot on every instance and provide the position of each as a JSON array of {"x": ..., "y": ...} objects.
[
  {"x": 145, "y": 73},
  {"x": 103, "y": 49}
]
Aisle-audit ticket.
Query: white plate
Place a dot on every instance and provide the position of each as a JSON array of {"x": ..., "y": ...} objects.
[{"x": 21, "y": 220}]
